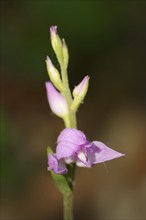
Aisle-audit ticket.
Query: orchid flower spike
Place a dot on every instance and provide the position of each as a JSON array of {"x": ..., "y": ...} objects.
[{"x": 73, "y": 147}]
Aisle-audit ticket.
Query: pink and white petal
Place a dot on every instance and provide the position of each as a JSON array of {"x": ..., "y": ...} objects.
[
  {"x": 58, "y": 166},
  {"x": 103, "y": 153},
  {"x": 69, "y": 160},
  {"x": 72, "y": 135},
  {"x": 79, "y": 163},
  {"x": 61, "y": 167},
  {"x": 91, "y": 156},
  {"x": 52, "y": 162},
  {"x": 66, "y": 150},
  {"x": 82, "y": 157}
]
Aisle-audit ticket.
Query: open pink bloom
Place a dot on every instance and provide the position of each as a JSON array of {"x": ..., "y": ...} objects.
[{"x": 73, "y": 147}]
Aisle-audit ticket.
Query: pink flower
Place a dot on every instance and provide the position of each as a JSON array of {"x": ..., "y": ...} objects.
[{"x": 73, "y": 147}]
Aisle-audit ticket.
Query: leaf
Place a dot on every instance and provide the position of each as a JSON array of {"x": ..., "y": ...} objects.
[{"x": 61, "y": 183}]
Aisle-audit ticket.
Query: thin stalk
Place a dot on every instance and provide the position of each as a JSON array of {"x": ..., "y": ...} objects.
[
  {"x": 68, "y": 206},
  {"x": 68, "y": 196},
  {"x": 70, "y": 122}
]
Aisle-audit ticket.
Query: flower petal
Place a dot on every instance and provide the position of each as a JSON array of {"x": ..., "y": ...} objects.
[
  {"x": 66, "y": 149},
  {"x": 85, "y": 157},
  {"x": 82, "y": 157},
  {"x": 101, "y": 153},
  {"x": 69, "y": 160},
  {"x": 79, "y": 163},
  {"x": 72, "y": 135},
  {"x": 57, "y": 165}
]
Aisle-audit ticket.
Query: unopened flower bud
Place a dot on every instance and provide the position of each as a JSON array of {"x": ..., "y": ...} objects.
[
  {"x": 56, "y": 101},
  {"x": 54, "y": 75},
  {"x": 56, "y": 44},
  {"x": 82, "y": 88},
  {"x": 79, "y": 93}
]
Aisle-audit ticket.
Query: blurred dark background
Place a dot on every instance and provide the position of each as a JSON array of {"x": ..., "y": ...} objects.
[{"x": 106, "y": 40}]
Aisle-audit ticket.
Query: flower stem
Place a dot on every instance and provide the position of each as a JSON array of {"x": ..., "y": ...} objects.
[
  {"x": 68, "y": 195},
  {"x": 68, "y": 206},
  {"x": 70, "y": 122}
]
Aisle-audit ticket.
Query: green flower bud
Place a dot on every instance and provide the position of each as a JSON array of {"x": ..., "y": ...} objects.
[
  {"x": 56, "y": 44},
  {"x": 79, "y": 93},
  {"x": 54, "y": 75}
]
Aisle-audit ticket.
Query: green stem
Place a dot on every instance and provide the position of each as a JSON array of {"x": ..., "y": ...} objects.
[
  {"x": 68, "y": 195},
  {"x": 68, "y": 206},
  {"x": 70, "y": 122}
]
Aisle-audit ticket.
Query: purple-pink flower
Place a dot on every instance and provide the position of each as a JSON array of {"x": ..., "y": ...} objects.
[{"x": 73, "y": 147}]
